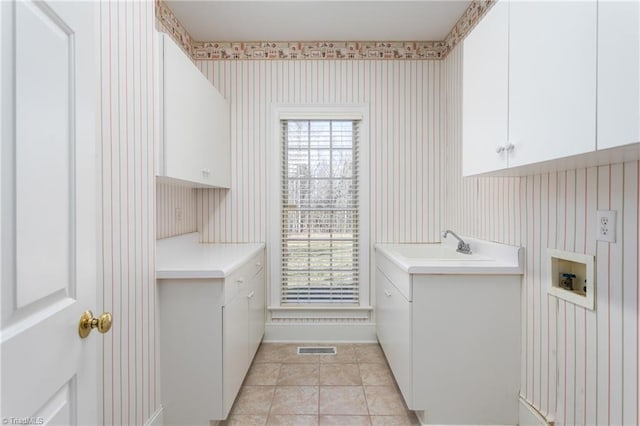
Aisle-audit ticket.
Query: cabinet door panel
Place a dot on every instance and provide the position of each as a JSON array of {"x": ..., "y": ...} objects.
[
  {"x": 256, "y": 313},
  {"x": 393, "y": 326},
  {"x": 485, "y": 83},
  {"x": 191, "y": 370},
  {"x": 187, "y": 127},
  {"x": 195, "y": 123},
  {"x": 235, "y": 348},
  {"x": 618, "y": 73},
  {"x": 552, "y": 80},
  {"x": 467, "y": 348}
]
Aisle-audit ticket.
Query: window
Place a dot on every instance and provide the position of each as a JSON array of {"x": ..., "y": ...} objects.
[{"x": 320, "y": 212}]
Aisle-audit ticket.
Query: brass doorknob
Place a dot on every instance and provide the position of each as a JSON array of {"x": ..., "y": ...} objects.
[{"x": 88, "y": 323}]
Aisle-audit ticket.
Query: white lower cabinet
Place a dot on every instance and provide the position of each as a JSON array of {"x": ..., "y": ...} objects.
[
  {"x": 256, "y": 298},
  {"x": 452, "y": 343},
  {"x": 246, "y": 311},
  {"x": 235, "y": 347},
  {"x": 210, "y": 330},
  {"x": 393, "y": 325}
]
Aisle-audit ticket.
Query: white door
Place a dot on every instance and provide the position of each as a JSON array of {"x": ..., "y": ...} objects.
[{"x": 48, "y": 176}]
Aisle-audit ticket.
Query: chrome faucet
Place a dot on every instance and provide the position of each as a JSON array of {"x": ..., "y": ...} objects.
[{"x": 462, "y": 246}]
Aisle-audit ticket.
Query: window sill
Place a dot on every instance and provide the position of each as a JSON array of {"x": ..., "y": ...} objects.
[{"x": 319, "y": 311}]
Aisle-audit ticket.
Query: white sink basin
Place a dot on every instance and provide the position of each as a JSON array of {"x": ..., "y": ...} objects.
[
  {"x": 435, "y": 252},
  {"x": 486, "y": 258}
]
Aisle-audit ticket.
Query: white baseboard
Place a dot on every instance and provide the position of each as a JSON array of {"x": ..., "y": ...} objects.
[
  {"x": 318, "y": 332},
  {"x": 422, "y": 417},
  {"x": 528, "y": 415},
  {"x": 422, "y": 420},
  {"x": 156, "y": 419}
]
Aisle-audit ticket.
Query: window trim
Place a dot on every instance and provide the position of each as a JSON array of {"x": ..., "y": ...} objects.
[
  {"x": 297, "y": 287},
  {"x": 316, "y": 112}
]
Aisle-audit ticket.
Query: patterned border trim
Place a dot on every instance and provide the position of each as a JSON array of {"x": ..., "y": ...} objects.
[
  {"x": 471, "y": 16},
  {"x": 319, "y": 50},
  {"x": 173, "y": 27},
  {"x": 387, "y": 50}
]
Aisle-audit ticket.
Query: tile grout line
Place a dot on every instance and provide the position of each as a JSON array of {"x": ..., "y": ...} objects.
[
  {"x": 318, "y": 416},
  {"x": 318, "y": 363},
  {"x": 273, "y": 396},
  {"x": 366, "y": 401},
  {"x": 318, "y": 413}
]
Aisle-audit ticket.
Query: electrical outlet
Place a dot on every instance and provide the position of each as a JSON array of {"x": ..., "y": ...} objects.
[
  {"x": 606, "y": 223},
  {"x": 178, "y": 214}
]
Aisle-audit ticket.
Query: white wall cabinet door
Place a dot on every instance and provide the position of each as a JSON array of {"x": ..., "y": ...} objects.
[
  {"x": 195, "y": 146},
  {"x": 485, "y": 83},
  {"x": 552, "y": 80},
  {"x": 618, "y": 73}
]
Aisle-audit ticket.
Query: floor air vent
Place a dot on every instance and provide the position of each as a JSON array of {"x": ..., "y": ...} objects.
[{"x": 316, "y": 350}]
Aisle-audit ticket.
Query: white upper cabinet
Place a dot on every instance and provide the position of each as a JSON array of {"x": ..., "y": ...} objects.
[
  {"x": 552, "y": 80},
  {"x": 618, "y": 73},
  {"x": 570, "y": 74},
  {"x": 195, "y": 145},
  {"x": 486, "y": 92}
]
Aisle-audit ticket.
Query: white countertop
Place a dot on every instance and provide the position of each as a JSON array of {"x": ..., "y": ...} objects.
[
  {"x": 487, "y": 258},
  {"x": 184, "y": 257}
]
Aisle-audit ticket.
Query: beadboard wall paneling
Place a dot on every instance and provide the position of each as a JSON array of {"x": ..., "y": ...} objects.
[
  {"x": 595, "y": 353},
  {"x": 169, "y": 198},
  {"x": 129, "y": 359},
  {"x": 404, "y": 134}
]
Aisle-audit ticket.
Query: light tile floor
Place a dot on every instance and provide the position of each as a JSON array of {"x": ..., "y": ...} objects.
[{"x": 354, "y": 387}]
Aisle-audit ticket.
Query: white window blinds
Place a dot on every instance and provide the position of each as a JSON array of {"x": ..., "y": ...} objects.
[{"x": 320, "y": 218}]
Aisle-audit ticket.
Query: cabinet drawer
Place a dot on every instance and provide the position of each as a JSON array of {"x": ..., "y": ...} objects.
[
  {"x": 400, "y": 279},
  {"x": 239, "y": 280}
]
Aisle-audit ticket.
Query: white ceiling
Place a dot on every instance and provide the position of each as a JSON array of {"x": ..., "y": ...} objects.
[{"x": 313, "y": 20}]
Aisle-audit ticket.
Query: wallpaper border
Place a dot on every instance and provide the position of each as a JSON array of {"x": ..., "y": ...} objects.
[
  {"x": 469, "y": 19},
  {"x": 318, "y": 50},
  {"x": 213, "y": 50},
  {"x": 173, "y": 26}
]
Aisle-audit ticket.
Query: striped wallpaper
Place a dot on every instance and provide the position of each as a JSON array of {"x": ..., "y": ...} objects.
[
  {"x": 169, "y": 198},
  {"x": 404, "y": 133},
  {"x": 129, "y": 358},
  {"x": 578, "y": 366}
]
